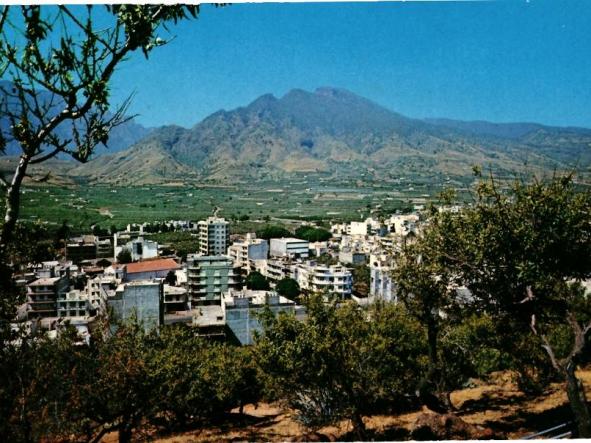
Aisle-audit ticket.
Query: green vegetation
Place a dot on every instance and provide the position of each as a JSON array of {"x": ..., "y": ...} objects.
[
  {"x": 179, "y": 243},
  {"x": 288, "y": 288},
  {"x": 522, "y": 253},
  {"x": 124, "y": 256},
  {"x": 337, "y": 364},
  {"x": 361, "y": 280},
  {"x": 257, "y": 282},
  {"x": 312, "y": 234},
  {"x": 269, "y": 232},
  {"x": 266, "y": 203}
]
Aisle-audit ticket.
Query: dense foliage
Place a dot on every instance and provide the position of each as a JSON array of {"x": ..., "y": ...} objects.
[
  {"x": 272, "y": 231},
  {"x": 342, "y": 362},
  {"x": 171, "y": 379},
  {"x": 312, "y": 234},
  {"x": 257, "y": 282},
  {"x": 288, "y": 288}
]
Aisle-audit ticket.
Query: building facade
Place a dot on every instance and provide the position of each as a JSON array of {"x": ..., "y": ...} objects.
[
  {"x": 335, "y": 279},
  {"x": 214, "y": 236},
  {"x": 140, "y": 300},
  {"x": 240, "y": 310},
  {"x": 42, "y": 296},
  {"x": 208, "y": 277},
  {"x": 289, "y": 247},
  {"x": 244, "y": 252}
]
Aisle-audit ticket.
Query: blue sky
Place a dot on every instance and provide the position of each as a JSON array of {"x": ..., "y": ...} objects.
[{"x": 498, "y": 61}]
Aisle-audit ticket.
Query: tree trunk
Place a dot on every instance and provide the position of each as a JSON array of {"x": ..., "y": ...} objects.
[
  {"x": 429, "y": 390},
  {"x": 578, "y": 402},
  {"x": 125, "y": 433},
  {"x": 358, "y": 426},
  {"x": 12, "y": 207},
  {"x": 12, "y": 203}
]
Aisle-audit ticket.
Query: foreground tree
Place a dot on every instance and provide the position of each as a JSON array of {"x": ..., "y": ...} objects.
[
  {"x": 523, "y": 252},
  {"x": 342, "y": 362},
  {"x": 428, "y": 291},
  {"x": 58, "y": 63}
]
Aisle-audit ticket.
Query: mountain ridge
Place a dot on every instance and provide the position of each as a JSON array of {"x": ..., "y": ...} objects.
[{"x": 334, "y": 132}]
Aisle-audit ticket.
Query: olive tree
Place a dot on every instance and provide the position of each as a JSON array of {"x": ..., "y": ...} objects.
[
  {"x": 341, "y": 362},
  {"x": 523, "y": 250}
]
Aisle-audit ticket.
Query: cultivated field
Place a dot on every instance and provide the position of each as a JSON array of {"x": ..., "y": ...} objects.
[{"x": 83, "y": 206}]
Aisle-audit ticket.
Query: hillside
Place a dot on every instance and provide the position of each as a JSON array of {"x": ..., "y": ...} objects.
[
  {"x": 140, "y": 165},
  {"x": 335, "y": 133},
  {"x": 496, "y": 404}
]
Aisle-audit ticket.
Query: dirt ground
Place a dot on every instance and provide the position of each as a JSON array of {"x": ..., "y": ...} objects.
[{"x": 498, "y": 405}]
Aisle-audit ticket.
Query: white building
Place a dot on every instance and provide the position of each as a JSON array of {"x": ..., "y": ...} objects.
[
  {"x": 214, "y": 236},
  {"x": 314, "y": 277},
  {"x": 139, "y": 248},
  {"x": 359, "y": 229},
  {"x": 88, "y": 302},
  {"x": 381, "y": 283},
  {"x": 243, "y": 252},
  {"x": 289, "y": 247},
  {"x": 403, "y": 224}
]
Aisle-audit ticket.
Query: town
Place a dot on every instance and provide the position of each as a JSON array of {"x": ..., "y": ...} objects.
[{"x": 215, "y": 290}]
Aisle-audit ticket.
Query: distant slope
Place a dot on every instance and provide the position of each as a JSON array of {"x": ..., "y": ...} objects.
[{"x": 139, "y": 165}]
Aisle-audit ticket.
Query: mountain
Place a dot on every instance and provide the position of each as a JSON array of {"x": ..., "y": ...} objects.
[
  {"x": 338, "y": 134},
  {"x": 120, "y": 137},
  {"x": 333, "y": 131}
]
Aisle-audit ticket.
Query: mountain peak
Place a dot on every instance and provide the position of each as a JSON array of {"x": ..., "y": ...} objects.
[
  {"x": 263, "y": 101},
  {"x": 329, "y": 91}
]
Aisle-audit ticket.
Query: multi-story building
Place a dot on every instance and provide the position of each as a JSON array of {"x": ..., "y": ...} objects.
[
  {"x": 175, "y": 299},
  {"x": 276, "y": 269},
  {"x": 81, "y": 248},
  {"x": 42, "y": 296},
  {"x": 104, "y": 248},
  {"x": 141, "y": 300},
  {"x": 334, "y": 279},
  {"x": 403, "y": 224},
  {"x": 208, "y": 277},
  {"x": 214, "y": 236},
  {"x": 289, "y": 247},
  {"x": 243, "y": 252},
  {"x": 240, "y": 310},
  {"x": 369, "y": 226},
  {"x": 351, "y": 257}
]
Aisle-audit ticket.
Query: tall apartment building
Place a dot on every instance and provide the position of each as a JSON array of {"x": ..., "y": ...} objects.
[
  {"x": 87, "y": 302},
  {"x": 214, "y": 236},
  {"x": 251, "y": 248},
  {"x": 208, "y": 277}
]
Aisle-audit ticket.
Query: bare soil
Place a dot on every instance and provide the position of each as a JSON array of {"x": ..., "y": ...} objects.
[{"x": 496, "y": 404}]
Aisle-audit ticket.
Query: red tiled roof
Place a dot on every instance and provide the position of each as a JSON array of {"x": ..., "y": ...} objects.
[{"x": 152, "y": 266}]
